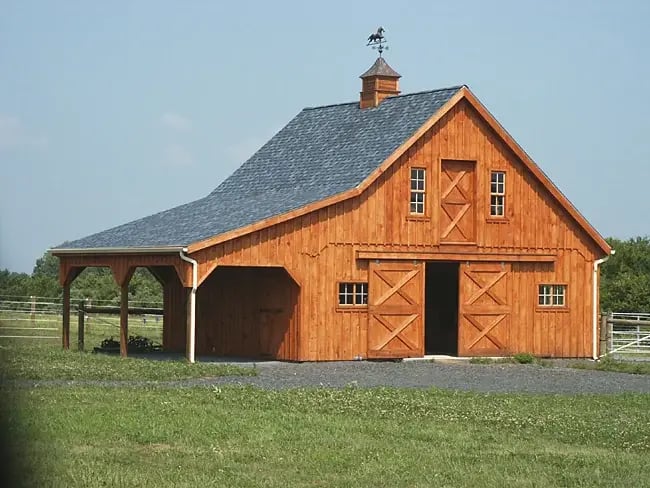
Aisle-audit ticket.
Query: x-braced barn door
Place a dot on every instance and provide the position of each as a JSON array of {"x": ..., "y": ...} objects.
[
  {"x": 457, "y": 222},
  {"x": 395, "y": 309},
  {"x": 485, "y": 306}
]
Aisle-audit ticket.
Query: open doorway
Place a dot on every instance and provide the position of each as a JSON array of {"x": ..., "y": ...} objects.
[
  {"x": 441, "y": 308},
  {"x": 248, "y": 312}
]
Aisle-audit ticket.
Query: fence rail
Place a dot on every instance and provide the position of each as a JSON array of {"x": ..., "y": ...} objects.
[
  {"x": 626, "y": 336},
  {"x": 41, "y": 317}
]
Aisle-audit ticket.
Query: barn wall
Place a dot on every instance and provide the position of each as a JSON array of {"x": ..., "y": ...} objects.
[
  {"x": 248, "y": 312},
  {"x": 318, "y": 249},
  {"x": 174, "y": 319}
]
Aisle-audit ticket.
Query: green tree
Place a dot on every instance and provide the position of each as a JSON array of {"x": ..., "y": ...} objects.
[
  {"x": 97, "y": 284},
  {"x": 47, "y": 265},
  {"x": 625, "y": 277}
]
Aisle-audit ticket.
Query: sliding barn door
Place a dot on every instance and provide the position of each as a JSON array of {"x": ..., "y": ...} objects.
[
  {"x": 485, "y": 308},
  {"x": 457, "y": 202},
  {"x": 395, "y": 310}
]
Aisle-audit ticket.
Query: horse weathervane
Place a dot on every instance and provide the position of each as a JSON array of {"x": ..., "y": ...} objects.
[{"x": 377, "y": 41}]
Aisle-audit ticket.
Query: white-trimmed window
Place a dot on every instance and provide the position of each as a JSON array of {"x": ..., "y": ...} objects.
[
  {"x": 418, "y": 189},
  {"x": 353, "y": 294},
  {"x": 497, "y": 194},
  {"x": 551, "y": 296}
]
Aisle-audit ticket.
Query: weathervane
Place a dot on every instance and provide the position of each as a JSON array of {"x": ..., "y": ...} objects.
[{"x": 377, "y": 41}]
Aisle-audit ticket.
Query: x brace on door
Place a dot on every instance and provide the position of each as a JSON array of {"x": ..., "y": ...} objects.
[
  {"x": 395, "y": 332},
  {"x": 455, "y": 219},
  {"x": 485, "y": 330},
  {"x": 397, "y": 287},
  {"x": 484, "y": 289}
]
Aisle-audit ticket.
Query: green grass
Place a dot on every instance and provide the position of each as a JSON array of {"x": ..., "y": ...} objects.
[
  {"x": 92, "y": 436},
  {"x": 608, "y": 364},
  {"x": 246, "y": 437},
  {"x": 521, "y": 358},
  {"x": 36, "y": 359}
]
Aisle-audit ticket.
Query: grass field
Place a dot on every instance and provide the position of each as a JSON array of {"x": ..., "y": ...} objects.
[
  {"x": 247, "y": 437},
  {"x": 43, "y": 359}
]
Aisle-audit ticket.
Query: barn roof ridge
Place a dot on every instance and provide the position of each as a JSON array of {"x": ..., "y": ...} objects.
[{"x": 401, "y": 95}]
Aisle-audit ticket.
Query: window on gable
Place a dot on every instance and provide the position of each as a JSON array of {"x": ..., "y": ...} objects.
[
  {"x": 551, "y": 296},
  {"x": 355, "y": 294},
  {"x": 418, "y": 189},
  {"x": 497, "y": 193}
]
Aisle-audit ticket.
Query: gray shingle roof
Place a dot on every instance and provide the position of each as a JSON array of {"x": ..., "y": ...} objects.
[{"x": 322, "y": 152}]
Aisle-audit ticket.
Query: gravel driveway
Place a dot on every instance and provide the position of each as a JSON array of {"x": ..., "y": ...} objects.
[
  {"x": 421, "y": 374},
  {"x": 413, "y": 374}
]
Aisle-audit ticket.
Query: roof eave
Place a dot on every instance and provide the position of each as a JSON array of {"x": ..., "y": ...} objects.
[{"x": 118, "y": 250}]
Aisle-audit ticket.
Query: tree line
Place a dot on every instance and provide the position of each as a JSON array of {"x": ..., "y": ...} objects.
[
  {"x": 624, "y": 286},
  {"x": 96, "y": 284}
]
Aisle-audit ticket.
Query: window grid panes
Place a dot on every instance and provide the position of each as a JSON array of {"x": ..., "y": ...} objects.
[
  {"x": 552, "y": 295},
  {"x": 497, "y": 193},
  {"x": 418, "y": 189},
  {"x": 353, "y": 294}
]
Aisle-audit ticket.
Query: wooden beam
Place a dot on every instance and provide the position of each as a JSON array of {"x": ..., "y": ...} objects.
[
  {"x": 158, "y": 273},
  {"x": 66, "y": 316},
  {"x": 190, "y": 326},
  {"x": 122, "y": 273},
  {"x": 446, "y": 256},
  {"x": 124, "y": 318},
  {"x": 203, "y": 276},
  {"x": 68, "y": 272}
]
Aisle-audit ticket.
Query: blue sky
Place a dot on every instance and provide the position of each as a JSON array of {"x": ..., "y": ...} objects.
[{"x": 110, "y": 111}]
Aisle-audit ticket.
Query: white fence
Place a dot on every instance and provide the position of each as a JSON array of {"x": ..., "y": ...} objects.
[
  {"x": 628, "y": 335},
  {"x": 41, "y": 317}
]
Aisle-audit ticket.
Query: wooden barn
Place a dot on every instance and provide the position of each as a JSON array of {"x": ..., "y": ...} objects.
[{"x": 397, "y": 225}]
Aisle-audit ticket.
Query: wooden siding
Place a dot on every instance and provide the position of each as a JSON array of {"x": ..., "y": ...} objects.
[
  {"x": 246, "y": 305},
  {"x": 248, "y": 312},
  {"x": 174, "y": 319},
  {"x": 319, "y": 249}
]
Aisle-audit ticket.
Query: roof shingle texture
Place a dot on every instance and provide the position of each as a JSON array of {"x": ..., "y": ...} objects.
[
  {"x": 380, "y": 68},
  {"x": 322, "y": 152}
]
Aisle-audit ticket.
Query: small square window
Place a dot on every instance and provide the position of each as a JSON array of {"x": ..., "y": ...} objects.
[
  {"x": 418, "y": 190},
  {"x": 497, "y": 193},
  {"x": 354, "y": 294},
  {"x": 551, "y": 296}
]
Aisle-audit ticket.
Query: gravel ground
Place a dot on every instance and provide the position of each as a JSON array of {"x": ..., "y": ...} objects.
[{"x": 412, "y": 374}]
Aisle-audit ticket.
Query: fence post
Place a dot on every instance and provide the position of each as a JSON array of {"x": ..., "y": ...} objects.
[
  {"x": 80, "y": 329},
  {"x": 88, "y": 303},
  {"x": 610, "y": 331},
  {"x": 603, "y": 334},
  {"x": 33, "y": 314}
]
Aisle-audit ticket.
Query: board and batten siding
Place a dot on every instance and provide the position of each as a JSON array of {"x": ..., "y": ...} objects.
[{"x": 319, "y": 249}]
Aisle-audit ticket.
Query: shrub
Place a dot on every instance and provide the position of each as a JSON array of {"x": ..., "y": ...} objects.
[{"x": 524, "y": 358}]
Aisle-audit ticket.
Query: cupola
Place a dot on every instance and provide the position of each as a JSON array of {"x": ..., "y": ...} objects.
[{"x": 379, "y": 82}]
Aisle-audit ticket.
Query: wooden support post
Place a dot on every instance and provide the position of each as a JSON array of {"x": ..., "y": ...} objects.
[
  {"x": 66, "y": 316},
  {"x": 124, "y": 319},
  {"x": 602, "y": 349},
  {"x": 80, "y": 329},
  {"x": 189, "y": 326}
]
